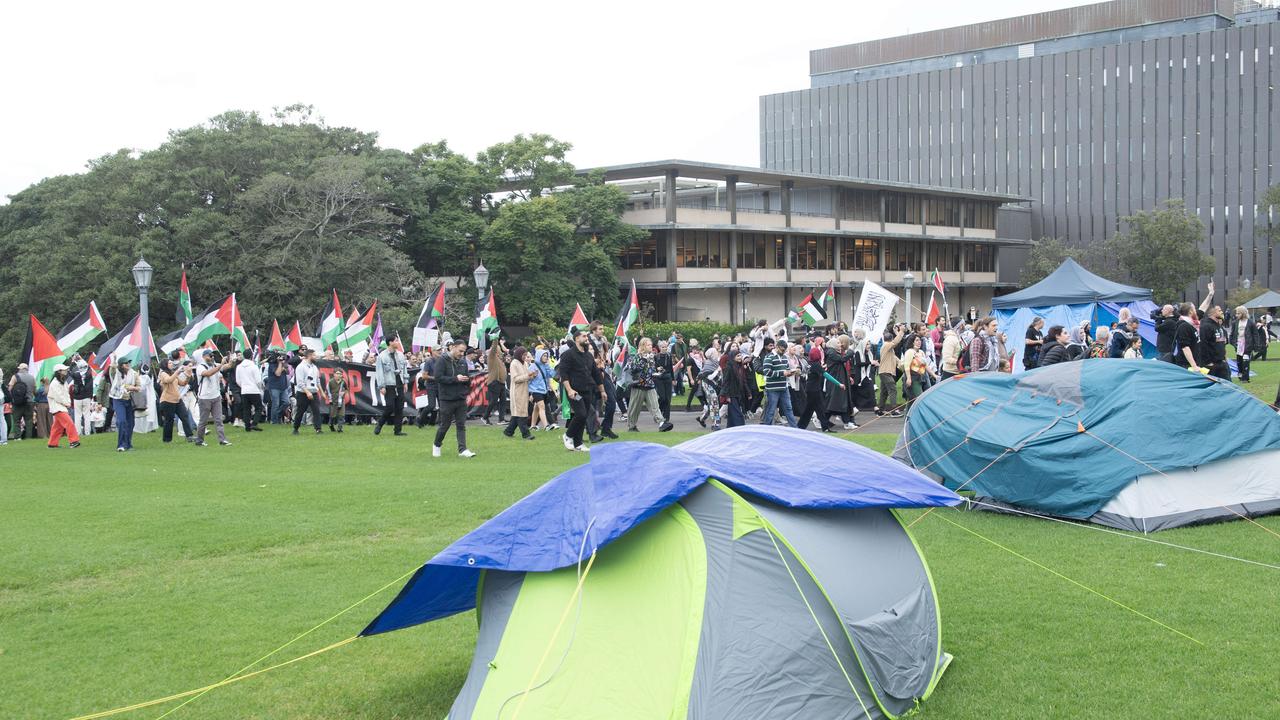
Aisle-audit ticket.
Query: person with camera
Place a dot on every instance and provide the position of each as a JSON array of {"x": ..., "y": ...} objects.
[
  {"x": 249, "y": 378},
  {"x": 277, "y": 386},
  {"x": 454, "y": 382},
  {"x": 307, "y": 394},
  {"x": 392, "y": 372},
  {"x": 209, "y": 395},
  {"x": 123, "y": 383},
  {"x": 174, "y": 377}
]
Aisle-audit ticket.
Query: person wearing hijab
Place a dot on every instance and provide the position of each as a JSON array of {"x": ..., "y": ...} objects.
[{"x": 520, "y": 374}]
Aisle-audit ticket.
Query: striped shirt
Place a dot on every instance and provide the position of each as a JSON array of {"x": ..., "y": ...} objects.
[{"x": 774, "y": 367}]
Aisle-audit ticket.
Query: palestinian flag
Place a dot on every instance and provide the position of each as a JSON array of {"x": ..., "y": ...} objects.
[
  {"x": 933, "y": 313},
  {"x": 331, "y": 325},
  {"x": 40, "y": 352},
  {"x": 809, "y": 311},
  {"x": 220, "y": 318},
  {"x": 828, "y": 296},
  {"x": 359, "y": 329},
  {"x": 276, "y": 341},
  {"x": 184, "y": 315},
  {"x": 237, "y": 327},
  {"x": 133, "y": 343},
  {"x": 83, "y": 328},
  {"x": 621, "y": 353},
  {"x": 430, "y": 319},
  {"x": 294, "y": 340},
  {"x": 579, "y": 319},
  {"x": 486, "y": 319},
  {"x": 628, "y": 314},
  {"x": 936, "y": 279}
]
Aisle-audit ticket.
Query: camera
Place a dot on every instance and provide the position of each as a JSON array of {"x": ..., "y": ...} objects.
[{"x": 214, "y": 357}]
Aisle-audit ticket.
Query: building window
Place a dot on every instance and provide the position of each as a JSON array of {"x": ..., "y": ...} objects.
[
  {"x": 903, "y": 255},
  {"x": 860, "y": 254},
  {"x": 944, "y": 257},
  {"x": 980, "y": 216},
  {"x": 702, "y": 249},
  {"x": 901, "y": 208},
  {"x": 646, "y": 254},
  {"x": 943, "y": 211},
  {"x": 812, "y": 253},
  {"x": 980, "y": 258},
  {"x": 860, "y": 205},
  {"x": 760, "y": 251}
]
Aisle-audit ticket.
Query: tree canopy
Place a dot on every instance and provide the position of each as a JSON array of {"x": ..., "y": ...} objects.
[{"x": 281, "y": 209}]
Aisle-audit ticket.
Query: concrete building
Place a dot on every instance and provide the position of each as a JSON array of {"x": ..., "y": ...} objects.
[
  {"x": 736, "y": 244},
  {"x": 1095, "y": 112}
]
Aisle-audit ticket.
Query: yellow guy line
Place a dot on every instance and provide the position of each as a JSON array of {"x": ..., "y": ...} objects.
[{"x": 1064, "y": 577}]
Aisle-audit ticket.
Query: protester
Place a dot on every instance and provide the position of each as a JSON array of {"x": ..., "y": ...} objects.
[
  {"x": 520, "y": 375},
  {"x": 454, "y": 383},
  {"x": 278, "y": 387},
  {"x": 777, "y": 371},
  {"x": 172, "y": 379},
  {"x": 644, "y": 377},
  {"x": 708, "y": 382},
  {"x": 915, "y": 369},
  {"x": 1166, "y": 325},
  {"x": 1213, "y": 344},
  {"x": 952, "y": 347},
  {"x": 1122, "y": 337},
  {"x": 4, "y": 410},
  {"x": 249, "y": 378},
  {"x": 1187, "y": 339},
  {"x": 209, "y": 396},
  {"x": 662, "y": 383},
  {"x": 1104, "y": 341},
  {"x": 1247, "y": 338},
  {"x": 495, "y": 381},
  {"x": 864, "y": 364},
  {"x": 60, "y": 408},
  {"x": 1134, "y": 351},
  {"x": 307, "y": 395},
  {"x": 337, "y": 392},
  {"x": 124, "y": 382},
  {"x": 1055, "y": 349},
  {"x": 540, "y": 390},
  {"x": 603, "y": 375},
  {"x": 733, "y": 392},
  {"x": 81, "y": 394},
  {"x": 889, "y": 372},
  {"x": 984, "y": 351},
  {"x": 392, "y": 373},
  {"x": 837, "y": 359},
  {"x": 22, "y": 389},
  {"x": 815, "y": 405},
  {"x": 575, "y": 372}
]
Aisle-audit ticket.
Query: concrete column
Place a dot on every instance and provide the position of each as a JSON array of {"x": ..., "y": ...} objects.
[
  {"x": 671, "y": 252},
  {"x": 733, "y": 255},
  {"x": 731, "y": 185},
  {"x": 835, "y": 206},
  {"x": 786, "y": 254},
  {"x": 670, "y": 198},
  {"x": 964, "y": 211},
  {"x": 787, "y": 185},
  {"x": 881, "y": 193}
]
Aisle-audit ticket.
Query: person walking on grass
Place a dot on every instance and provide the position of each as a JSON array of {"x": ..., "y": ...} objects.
[
  {"x": 393, "y": 376},
  {"x": 123, "y": 382},
  {"x": 520, "y": 374},
  {"x": 337, "y": 387},
  {"x": 307, "y": 395},
  {"x": 60, "y": 408},
  {"x": 249, "y": 378},
  {"x": 454, "y": 382},
  {"x": 172, "y": 380},
  {"x": 644, "y": 377},
  {"x": 209, "y": 397},
  {"x": 22, "y": 390},
  {"x": 576, "y": 378}
]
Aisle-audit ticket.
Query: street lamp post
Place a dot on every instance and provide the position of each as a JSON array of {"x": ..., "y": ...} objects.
[
  {"x": 142, "y": 278},
  {"x": 908, "y": 281},
  {"x": 481, "y": 276}
]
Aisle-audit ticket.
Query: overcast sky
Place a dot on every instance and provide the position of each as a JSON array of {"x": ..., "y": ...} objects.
[{"x": 624, "y": 82}]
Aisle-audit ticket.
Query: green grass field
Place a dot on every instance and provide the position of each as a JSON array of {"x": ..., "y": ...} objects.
[{"x": 129, "y": 577}]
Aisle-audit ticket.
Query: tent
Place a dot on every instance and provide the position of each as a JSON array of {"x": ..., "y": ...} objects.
[
  {"x": 731, "y": 581},
  {"x": 1268, "y": 299},
  {"x": 1133, "y": 444},
  {"x": 1069, "y": 296}
]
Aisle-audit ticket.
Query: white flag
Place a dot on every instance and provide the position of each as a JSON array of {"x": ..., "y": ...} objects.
[{"x": 874, "y": 308}]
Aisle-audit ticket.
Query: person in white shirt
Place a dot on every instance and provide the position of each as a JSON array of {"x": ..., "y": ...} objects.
[
  {"x": 209, "y": 396},
  {"x": 124, "y": 382},
  {"x": 307, "y": 391},
  {"x": 60, "y": 409},
  {"x": 249, "y": 378}
]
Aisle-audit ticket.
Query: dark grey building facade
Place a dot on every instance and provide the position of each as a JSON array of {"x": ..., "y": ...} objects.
[{"x": 1095, "y": 112}]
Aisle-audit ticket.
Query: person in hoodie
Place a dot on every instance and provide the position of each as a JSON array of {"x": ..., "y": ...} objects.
[{"x": 1055, "y": 348}]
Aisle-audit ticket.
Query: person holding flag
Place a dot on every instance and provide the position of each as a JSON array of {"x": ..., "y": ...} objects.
[{"x": 209, "y": 395}]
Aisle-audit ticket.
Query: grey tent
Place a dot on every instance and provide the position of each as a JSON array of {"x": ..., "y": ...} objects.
[
  {"x": 1071, "y": 284},
  {"x": 1268, "y": 299}
]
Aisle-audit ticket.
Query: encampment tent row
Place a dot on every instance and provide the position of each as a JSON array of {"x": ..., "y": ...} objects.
[
  {"x": 731, "y": 581},
  {"x": 1095, "y": 440}
]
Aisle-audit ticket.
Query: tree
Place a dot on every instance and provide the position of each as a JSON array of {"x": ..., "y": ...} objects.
[
  {"x": 1044, "y": 257},
  {"x": 529, "y": 166},
  {"x": 1271, "y": 204},
  {"x": 1160, "y": 249}
]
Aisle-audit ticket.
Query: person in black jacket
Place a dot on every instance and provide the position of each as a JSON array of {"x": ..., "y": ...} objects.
[
  {"x": 1055, "y": 349},
  {"x": 453, "y": 381},
  {"x": 1166, "y": 324},
  {"x": 1213, "y": 344},
  {"x": 578, "y": 383}
]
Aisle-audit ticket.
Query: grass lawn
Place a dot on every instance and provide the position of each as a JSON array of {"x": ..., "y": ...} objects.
[{"x": 129, "y": 577}]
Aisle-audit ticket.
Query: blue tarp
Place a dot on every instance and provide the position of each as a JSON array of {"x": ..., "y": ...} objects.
[
  {"x": 626, "y": 483},
  {"x": 1023, "y": 442}
]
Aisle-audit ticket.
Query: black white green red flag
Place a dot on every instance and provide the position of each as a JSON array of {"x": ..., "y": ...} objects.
[
  {"x": 486, "y": 323},
  {"x": 40, "y": 351},
  {"x": 426, "y": 332},
  {"x": 133, "y": 342},
  {"x": 276, "y": 341},
  {"x": 184, "y": 301},
  {"x": 331, "y": 323},
  {"x": 628, "y": 314},
  {"x": 579, "y": 319},
  {"x": 83, "y": 328}
]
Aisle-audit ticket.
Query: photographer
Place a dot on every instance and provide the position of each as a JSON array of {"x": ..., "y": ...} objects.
[
  {"x": 277, "y": 386},
  {"x": 1166, "y": 320},
  {"x": 307, "y": 394},
  {"x": 209, "y": 395},
  {"x": 249, "y": 378},
  {"x": 173, "y": 377}
]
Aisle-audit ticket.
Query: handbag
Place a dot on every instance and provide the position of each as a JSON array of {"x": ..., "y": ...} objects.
[{"x": 139, "y": 400}]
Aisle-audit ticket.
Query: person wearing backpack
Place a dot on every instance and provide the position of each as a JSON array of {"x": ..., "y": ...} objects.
[{"x": 22, "y": 397}]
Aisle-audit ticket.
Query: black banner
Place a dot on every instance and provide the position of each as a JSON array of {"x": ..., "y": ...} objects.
[{"x": 362, "y": 397}]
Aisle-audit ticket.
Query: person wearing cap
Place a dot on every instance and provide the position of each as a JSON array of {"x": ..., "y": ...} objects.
[
  {"x": 21, "y": 402},
  {"x": 124, "y": 382},
  {"x": 60, "y": 409},
  {"x": 209, "y": 397},
  {"x": 307, "y": 392}
]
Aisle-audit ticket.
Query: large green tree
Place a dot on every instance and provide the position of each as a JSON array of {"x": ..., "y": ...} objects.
[{"x": 1160, "y": 249}]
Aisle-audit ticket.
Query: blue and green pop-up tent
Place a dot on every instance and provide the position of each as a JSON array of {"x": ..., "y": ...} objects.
[{"x": 753, "y": 572}]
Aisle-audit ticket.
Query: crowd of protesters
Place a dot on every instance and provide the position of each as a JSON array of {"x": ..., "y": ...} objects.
[{"x": 797, "y": 376}]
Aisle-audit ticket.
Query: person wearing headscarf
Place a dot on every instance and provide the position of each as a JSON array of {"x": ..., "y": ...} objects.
[
  {"x": 520, "y": 374},
  {"x": 733, "y": 391},
  {"x": 836, "y": 394}
]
